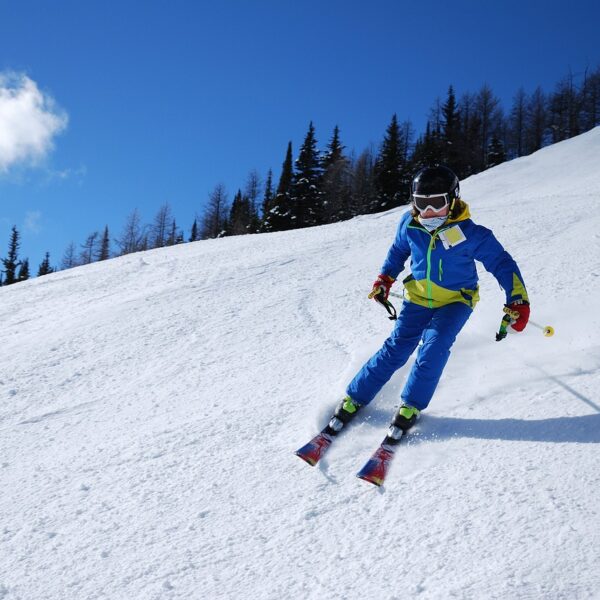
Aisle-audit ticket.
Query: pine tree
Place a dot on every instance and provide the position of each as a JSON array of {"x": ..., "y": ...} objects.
[
  {"x": 24, "y": 271},
  {"x": 496, "y": 153},
  {"x": 267, "y": 203},
  {"x": 240, "y": 215},
  {"x": 45, "y": 268},
  {"x": 334, "y": 151},
  {"x": 280, "y": 217},
  {"x": 450, "y": 138},
  {"x": 307, "y": 209},
  {"x": 194, "y": 236},
  {"x": 391, "y": 174},
  {"x": 252, "y": 192},
  {"x": 336, "y": 181},
  {"x": 429, "y": 149},
  {"x": 104, "y": 248},
  {"x": 11, "y": 262}
]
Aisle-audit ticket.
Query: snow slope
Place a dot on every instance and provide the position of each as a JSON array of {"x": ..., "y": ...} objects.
[{"x": 150, "y": 407}]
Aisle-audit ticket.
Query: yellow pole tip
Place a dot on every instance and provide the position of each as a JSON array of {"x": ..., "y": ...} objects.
[{"x": 548, "y": 331}]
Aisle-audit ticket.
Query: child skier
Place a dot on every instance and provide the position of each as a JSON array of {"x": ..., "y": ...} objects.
[{"x": 439, "y": 296}]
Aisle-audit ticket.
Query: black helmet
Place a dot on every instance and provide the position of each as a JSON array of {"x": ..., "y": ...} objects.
[{"x": 436, "y": 180}]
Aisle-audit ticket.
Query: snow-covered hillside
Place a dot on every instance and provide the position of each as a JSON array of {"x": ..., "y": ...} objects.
[{"x": 150, "y": 408}]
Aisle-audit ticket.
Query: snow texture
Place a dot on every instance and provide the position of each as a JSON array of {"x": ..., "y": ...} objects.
[{"x": 151, "y": 406}]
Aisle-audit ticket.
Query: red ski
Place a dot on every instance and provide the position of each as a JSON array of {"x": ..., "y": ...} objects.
[
  {"x": 314, "y": 450},
  {"x": 377, "y": 466}
]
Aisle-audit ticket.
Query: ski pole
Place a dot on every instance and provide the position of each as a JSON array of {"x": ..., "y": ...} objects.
[{"x": 513, "y": 315}]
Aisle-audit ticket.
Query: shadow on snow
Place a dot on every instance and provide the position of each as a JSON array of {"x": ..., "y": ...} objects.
[{"x": 583, "y": 430}]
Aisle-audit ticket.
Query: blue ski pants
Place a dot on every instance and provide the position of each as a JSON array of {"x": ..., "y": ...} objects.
[{"x": 437, "y": 328}]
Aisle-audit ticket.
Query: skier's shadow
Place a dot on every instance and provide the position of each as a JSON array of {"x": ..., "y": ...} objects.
[{"x": 583, "y": 430}]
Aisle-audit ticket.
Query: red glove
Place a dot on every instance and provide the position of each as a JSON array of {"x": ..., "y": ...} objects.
[
  {"x": 383, "y": 284},
  {"x": 523, "y": 309}
]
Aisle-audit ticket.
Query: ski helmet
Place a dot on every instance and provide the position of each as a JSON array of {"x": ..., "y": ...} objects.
[{"x": 436, "y": 181}]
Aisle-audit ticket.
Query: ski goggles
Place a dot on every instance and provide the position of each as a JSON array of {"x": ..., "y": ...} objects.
[{"x": 435, "y": 202}]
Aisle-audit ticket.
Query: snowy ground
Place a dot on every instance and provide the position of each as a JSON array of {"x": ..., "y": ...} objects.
[{"x": 150, "y": 407}]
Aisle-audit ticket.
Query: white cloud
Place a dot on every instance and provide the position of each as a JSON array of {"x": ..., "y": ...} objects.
[
  {"x": 29, "y": 121},
  {"x": 33, "y": 220},
  {"x": 77, "y": 174}
]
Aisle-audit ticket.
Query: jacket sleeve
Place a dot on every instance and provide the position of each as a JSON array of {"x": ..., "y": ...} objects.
[
  {"x": 399, "y": 250},
  {"x": 501, "y": 265}
]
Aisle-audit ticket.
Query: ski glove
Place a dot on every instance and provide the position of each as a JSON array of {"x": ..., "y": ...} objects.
[
  {"x": 382, "y": 285},
  {"x": 522, "y": 308}
]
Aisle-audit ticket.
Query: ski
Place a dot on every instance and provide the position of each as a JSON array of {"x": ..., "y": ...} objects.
[
  {"x": 314, "y": 450},
  {"x": 377, "y": 466},
  {"x": 343, "y": 415}
]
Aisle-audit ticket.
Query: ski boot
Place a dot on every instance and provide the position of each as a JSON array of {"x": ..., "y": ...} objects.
[
  {"x": 344, "y": 413},
  {"x": 404, "y": 419}
]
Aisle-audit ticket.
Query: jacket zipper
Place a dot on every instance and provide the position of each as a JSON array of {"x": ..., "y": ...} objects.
[{"x": 429, "y": 249}]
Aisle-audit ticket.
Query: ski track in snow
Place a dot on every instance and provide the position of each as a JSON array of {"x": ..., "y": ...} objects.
[{"x": 152, "y": 404}]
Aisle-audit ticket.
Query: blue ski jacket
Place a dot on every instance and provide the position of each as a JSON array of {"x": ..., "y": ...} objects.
[{"x": 443, "y": 262}]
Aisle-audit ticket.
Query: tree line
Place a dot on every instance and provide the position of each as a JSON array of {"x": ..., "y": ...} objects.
[{"x": 469, "y": 134}]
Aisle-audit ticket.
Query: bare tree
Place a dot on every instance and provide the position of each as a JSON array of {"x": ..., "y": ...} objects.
[
  {"x": 336, "y": 186},
  {"x": 88, "y": 249},
  {"x": 213, "y": 220},
  {"x": 69, "y": 259},
  {"x": 134, "y": 237},
  {"x": 159, "y": 231},
  {"x": 363, "y": 189},
  {"x": 590, "y": 100},
  {"x": 537, "y": 121},
  {"x": 518, "y": 119},
  {"x": 175, "y": 234},
  {"x": 490, "y": 116},
  {"x": 564, "y": 109},
  {"x": 253, "y": 189}
]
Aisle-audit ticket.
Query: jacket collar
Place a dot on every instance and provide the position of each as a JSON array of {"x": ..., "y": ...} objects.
[{"x": 464, "y": 214}]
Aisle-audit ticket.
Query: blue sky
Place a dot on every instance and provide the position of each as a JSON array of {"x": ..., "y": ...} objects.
[{"x": 159, "y": 101}]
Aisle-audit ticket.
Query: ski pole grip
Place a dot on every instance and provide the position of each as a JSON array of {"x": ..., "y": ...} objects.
[{"x": 513, "y": 314}]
